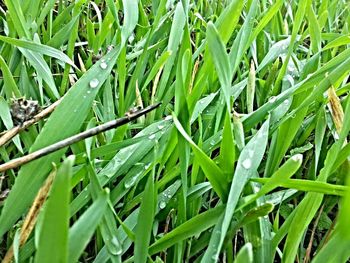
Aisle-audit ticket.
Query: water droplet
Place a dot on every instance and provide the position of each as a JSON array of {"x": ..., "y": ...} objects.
[
  {"x": 162, "y": 205},
  {"x": 297, "y": 157},
  {"x": 160, "y": 127},
  {"x": 152, "y": 136},
  {"x": 147, "y": 166},
  {"x": 131, "y": 182},
  {"x": 212, "y": 142},
  {"x": 88, "y": 92},
  {"x": 117, "y": 250},
  {"x": 84, "y": 97},
  {"x": 201, "y": 102},
  {"x": 168, "y": 118},
  {"x": 214, "y": 257},
  {"x": 247, "y": 163},
  {"x": 272, "y": 99},
  {"x": 103, "y": 65},
  {"x": 286, "y": 101},
  {"x": 94, "y": 83}
]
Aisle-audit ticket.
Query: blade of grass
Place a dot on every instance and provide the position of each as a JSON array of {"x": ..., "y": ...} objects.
[{"x": 53, "y": 233}]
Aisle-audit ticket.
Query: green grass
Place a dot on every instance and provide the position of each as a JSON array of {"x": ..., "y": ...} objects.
[{"x": 246, "y": 160}]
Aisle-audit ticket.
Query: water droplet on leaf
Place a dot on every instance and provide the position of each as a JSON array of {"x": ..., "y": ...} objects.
[
  {"x": 162, "y": 205},
  {"x": 247, "y": 163},
  {"x": 94, "y": 83},
  {"x": 272, "y": 99},
  {"x": 131, "y": 182},
  {"x": 103, "y": 65}
]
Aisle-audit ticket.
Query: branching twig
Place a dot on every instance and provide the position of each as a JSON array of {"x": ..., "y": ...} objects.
[
  {"x": 8, "y": 135},
  {"x": 75, "y": 138}
]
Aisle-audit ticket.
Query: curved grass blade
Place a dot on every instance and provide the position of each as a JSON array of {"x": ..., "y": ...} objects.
[
  {"x": 211, "y": 170},
  {"x": 190, "y": 228},
  {"x": 38, "y": 48}
]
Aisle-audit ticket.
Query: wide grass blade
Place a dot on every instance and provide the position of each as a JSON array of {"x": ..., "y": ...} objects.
[
  {"x": 53, "y": 233},
  {"x": 247, "y": 165}
]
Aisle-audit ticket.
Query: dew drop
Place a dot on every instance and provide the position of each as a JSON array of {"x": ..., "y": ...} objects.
[
  {"x": 131, "y": 182},
  {"x": 247, "y": 163},
  {"x": 147, "y": 166},
  {"x": 103, "y": 65},
  {"x": 117, "y": 245},
  {"x": 168, "y": 118},
  {"x": 214, "y": 257},
  {"x": 88, "y": 91},
  {"x": 94, "y": 83},
  {"x": 272, "y": 99},
  {"x": 152, "y": 136},
  {"x": 212, "y": 143},
  {"x": 297, "y": 157},
  {"x": 160, "y": 127},
  {"x": 162, "y": 205}
]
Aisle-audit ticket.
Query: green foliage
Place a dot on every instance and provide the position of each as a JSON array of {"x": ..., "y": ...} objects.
[{"x": 244, "y": 161}]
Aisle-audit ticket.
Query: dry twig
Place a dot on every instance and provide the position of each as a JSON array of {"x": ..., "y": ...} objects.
[{"x": 75, "y": 138}]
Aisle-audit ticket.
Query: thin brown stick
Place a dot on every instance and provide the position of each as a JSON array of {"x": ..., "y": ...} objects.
[
  {"x": 75, "y": 138},
  {"x": 9, "y": 134},
  {"x": 34, "y": 75},
  {"x": 309, "y": 247}
]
